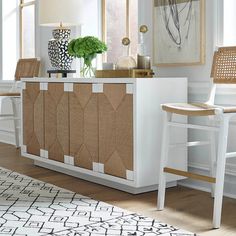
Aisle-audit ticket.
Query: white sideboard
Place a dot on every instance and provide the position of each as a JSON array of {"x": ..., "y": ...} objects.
[{"x": 106, "y": 131}]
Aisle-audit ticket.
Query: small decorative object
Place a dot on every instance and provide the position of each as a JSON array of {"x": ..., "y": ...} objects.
[
  {"x": 86, "y": 48},
  {"x": 107, "y": 66},
  {"x": 126, "y": 61},
  {"x": 143, "y": 61},
  {"x": 143, "y": 29},
  {"x": 141, "y": 47}
]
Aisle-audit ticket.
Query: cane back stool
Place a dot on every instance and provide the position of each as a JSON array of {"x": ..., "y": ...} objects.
[
  {"x": 25, "y": 68},
  {"x": 223, "y": 72}
]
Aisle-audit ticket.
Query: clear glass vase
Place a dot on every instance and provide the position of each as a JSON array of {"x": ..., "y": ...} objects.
[
  {"x": 87, "y": 70},
  {"x": 125, "y": 62}
]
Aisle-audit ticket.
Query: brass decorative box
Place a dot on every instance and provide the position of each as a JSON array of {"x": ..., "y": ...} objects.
[{"x": 134, "y": 73}]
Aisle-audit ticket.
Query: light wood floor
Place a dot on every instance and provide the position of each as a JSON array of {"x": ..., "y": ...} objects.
[{"x": 185, "y": 208}]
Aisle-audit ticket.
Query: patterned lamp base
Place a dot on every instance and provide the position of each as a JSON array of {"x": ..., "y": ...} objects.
[{"x": 58, "y": 49}]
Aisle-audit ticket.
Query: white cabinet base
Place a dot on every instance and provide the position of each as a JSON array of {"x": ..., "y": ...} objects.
[{"x": 130, "y": 189}]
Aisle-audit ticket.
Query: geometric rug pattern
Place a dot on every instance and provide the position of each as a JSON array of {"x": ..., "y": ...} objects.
[{"x": 32, "y": 207}]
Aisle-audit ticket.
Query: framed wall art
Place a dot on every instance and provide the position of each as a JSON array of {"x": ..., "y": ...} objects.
[{"x": 179, "y": 32}]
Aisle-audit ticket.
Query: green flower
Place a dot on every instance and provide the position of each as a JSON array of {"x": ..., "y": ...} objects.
[
  {"x": 87, "y": 48},
  {"x": 71, "y": 47}
]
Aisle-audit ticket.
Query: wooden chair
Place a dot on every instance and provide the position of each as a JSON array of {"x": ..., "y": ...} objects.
[
  {"x": 223, "y": 72},
  {"x": 26, "y": 68}
]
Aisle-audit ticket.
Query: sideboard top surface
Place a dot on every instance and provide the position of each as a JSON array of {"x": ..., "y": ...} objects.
[{"x": 95, "y": 80}]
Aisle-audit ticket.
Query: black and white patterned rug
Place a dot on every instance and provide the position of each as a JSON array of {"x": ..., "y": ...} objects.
[{"x": 31, "y": 207}]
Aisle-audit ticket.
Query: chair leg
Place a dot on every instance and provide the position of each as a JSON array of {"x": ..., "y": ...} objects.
[
  {"x": 220, "y": 171},
  {"x": 212, "y": 159},
  {"x": 163, "y": 162},
  {"x": 14, "y": 109}
]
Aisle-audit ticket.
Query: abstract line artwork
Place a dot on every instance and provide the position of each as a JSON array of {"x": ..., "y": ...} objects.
[{"x": 178, "y": 32}]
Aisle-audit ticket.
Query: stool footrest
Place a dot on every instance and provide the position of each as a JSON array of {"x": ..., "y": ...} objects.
[{"x": 190, "y": 175}]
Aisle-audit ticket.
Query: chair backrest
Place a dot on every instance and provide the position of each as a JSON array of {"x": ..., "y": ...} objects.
[
  {"x": 27, "y": 68},
  {"x": 224, "y": 66}
]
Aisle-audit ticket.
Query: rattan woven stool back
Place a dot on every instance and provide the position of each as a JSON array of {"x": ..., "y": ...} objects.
[
  {"x": 224, "y": 66},
  {"x": 27, "y": 68}
]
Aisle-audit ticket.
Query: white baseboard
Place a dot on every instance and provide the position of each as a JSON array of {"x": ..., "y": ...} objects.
[
  {"x": 230, "y": 168},
  {"x": 7, "y": 136}
]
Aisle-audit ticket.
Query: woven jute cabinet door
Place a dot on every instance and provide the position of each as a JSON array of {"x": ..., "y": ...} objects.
[
  {"x": 56, "y": 122},
  {"x": 33, "y": 117},
  {"x": 83, "y": 105},
  {"x": 116, "y": 130}
]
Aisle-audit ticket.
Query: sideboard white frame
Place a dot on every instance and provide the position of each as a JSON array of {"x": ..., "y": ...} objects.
[{"x": 145, "y": 91}]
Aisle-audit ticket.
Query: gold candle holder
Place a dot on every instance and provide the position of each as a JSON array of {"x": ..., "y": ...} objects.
[{"x": 144, "y": 62}]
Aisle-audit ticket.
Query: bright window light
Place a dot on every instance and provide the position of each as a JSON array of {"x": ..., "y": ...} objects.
[{"x": 229, "y": 22}]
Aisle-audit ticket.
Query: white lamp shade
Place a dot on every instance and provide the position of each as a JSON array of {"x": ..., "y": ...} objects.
[{"x": 57, "y": 12}]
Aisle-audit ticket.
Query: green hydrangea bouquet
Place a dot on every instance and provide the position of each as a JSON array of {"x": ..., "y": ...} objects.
[{"x": 87, "y": 48}]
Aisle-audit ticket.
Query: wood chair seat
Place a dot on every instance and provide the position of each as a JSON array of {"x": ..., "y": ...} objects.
[
  {"x": 9, "y": 94},
  {"x": 197, "y": 109}
]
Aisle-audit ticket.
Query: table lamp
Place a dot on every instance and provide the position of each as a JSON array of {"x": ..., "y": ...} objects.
[{"x": 60, "y": 14}]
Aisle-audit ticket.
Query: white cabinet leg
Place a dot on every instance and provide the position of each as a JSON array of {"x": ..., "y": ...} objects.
[
  {"x": 163, "y": 161},
  {"x": 220, "y": 171}
]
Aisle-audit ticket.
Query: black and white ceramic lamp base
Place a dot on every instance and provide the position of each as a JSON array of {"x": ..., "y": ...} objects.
[{"x": 58, "y": 49}]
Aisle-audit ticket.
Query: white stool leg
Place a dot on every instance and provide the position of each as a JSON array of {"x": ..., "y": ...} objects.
[
  {"x": 14, "y": 109},
  {"x": 212, "y": 161},
  {"x": 212, "y": 157},
  {"x": 220, "y": 171},
  {"x": 163, "y": 161}
]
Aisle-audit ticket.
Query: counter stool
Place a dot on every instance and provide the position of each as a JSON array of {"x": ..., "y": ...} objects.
[
  {"x": 25, "y": 68},
  {"x": 223, "y": 72}
]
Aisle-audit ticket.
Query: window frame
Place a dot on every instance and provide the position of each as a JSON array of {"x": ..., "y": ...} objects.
[
  {"x": 22, "y": 5},
  {"x": 104, "y": 28}
]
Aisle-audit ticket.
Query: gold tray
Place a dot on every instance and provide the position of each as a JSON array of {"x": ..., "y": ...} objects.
[{"x": 134, "y": 73}]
